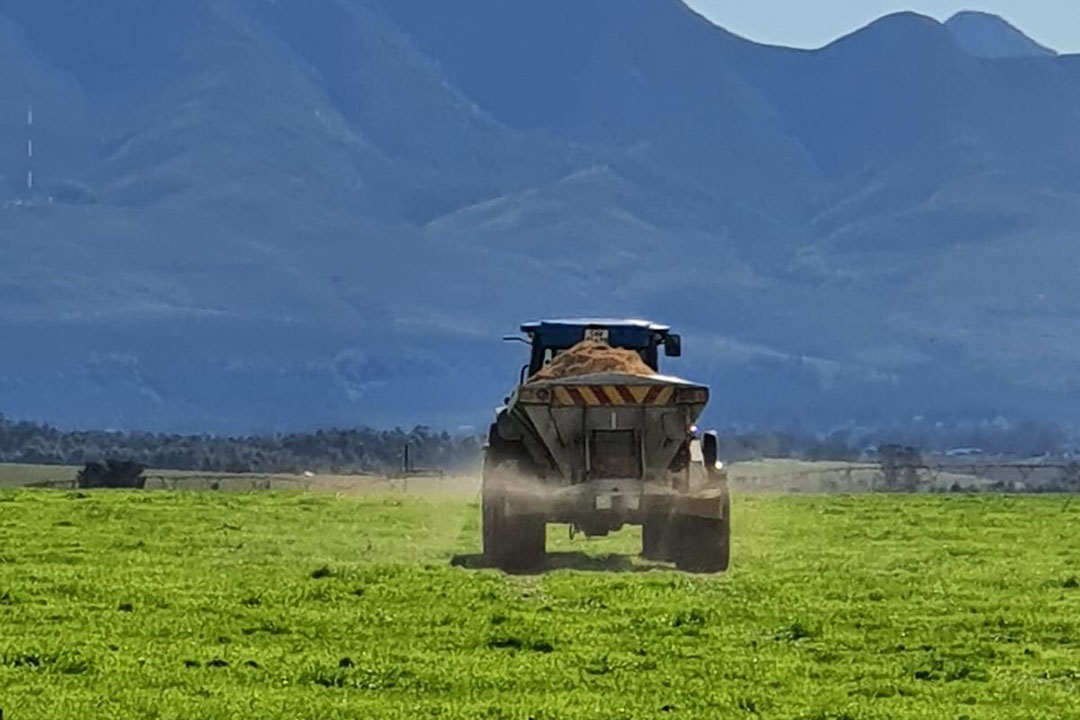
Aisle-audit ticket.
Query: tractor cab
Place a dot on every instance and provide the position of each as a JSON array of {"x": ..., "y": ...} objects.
[{"x": 549, "y": 338}]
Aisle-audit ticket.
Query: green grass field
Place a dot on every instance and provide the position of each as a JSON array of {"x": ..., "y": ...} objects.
[{"x": 292, "y": 606}]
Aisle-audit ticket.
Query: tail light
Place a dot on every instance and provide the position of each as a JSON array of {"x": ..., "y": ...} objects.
[{"x": 540, "y": 395}]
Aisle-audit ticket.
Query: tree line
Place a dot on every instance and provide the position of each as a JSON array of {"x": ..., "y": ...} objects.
[
  {"x": 361, "y": 450},
  {"x": 368, "y": 450}
]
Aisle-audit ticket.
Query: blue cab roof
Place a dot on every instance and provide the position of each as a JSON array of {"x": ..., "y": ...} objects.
[{"x": 569, "y": 332}]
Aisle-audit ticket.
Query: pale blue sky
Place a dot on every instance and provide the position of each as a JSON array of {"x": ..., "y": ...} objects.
[{"x": 813, "y": 23}]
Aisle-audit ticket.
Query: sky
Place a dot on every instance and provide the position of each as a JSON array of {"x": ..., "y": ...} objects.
[{"x": 813, "y": 23}]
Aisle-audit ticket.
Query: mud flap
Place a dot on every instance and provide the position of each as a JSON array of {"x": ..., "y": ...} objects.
[{"x": 704, "y": 543}]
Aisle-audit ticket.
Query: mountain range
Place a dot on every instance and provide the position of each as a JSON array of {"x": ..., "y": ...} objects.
[{"x": 253, "y": 215}]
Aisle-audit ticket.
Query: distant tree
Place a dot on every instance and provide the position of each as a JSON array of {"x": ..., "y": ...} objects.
[{"x": 344, "y": 450}]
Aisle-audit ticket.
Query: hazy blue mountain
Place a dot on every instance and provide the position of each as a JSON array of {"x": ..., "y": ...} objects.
[
  {"x": 989, "y": 36},
  {"x": 259, "y": 214}
]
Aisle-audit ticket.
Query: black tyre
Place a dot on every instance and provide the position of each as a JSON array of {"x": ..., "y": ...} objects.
[
  {"x": 514, "y": 543},
  {"x": 705, "y": 543},
  {"x": 492, "y": 521}
]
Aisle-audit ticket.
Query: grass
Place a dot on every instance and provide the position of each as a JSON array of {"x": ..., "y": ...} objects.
[{"x": 218, "y": 605}]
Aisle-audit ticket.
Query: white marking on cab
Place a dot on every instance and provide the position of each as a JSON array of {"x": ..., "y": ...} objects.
[{"x": 600, "y": 335}]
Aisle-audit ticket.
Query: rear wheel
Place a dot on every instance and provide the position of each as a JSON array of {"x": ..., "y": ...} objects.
[
  {"x": 491, "y": 524},
  {"x": 705, "y": 543},
  {"x": 512, "y": 542}
]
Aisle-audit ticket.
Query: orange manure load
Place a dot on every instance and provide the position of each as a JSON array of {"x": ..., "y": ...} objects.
[{"x": 593, "y": 358}]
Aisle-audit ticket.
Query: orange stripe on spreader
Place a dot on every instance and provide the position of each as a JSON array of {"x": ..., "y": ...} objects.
[
  {"x": 565, "y": 397},
  {"x": 600, "y": 394},
  {"x": 613, "y": 395},
  {"x": 576, "y": 396}
]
